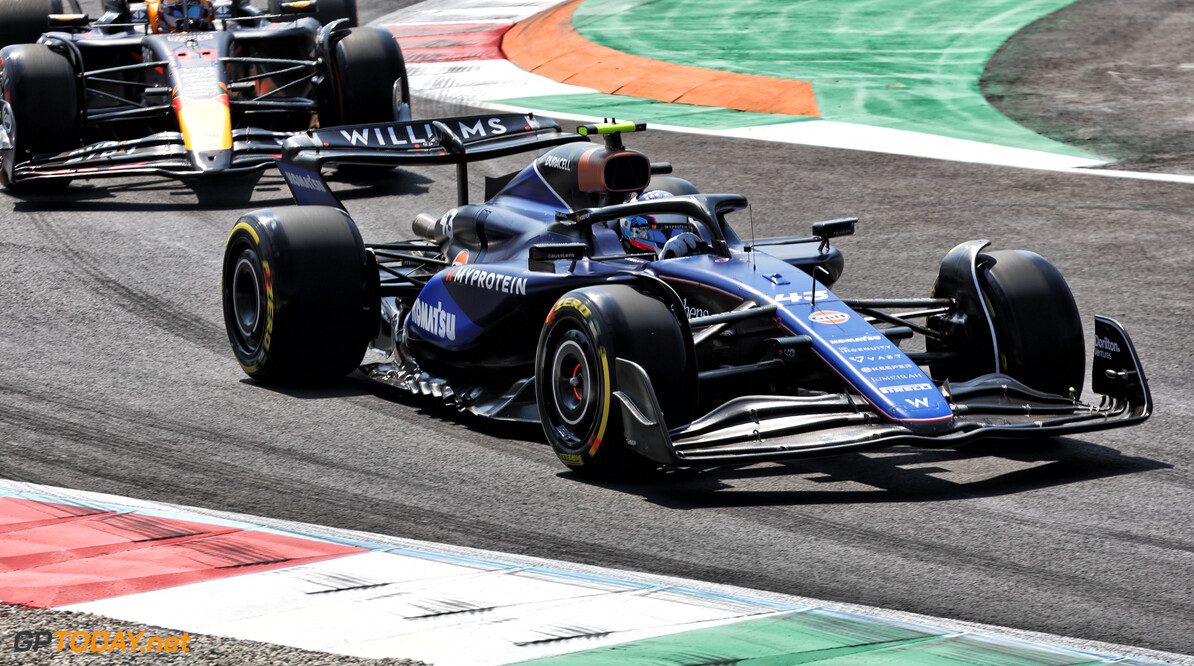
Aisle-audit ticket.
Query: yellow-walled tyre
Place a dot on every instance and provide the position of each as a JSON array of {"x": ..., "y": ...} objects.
[
  {"x": 299, "y": 294},
  {"x": 575, "y": 374}
]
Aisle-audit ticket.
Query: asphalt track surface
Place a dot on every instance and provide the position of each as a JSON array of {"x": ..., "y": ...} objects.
[{"x": 116, "y": 376}]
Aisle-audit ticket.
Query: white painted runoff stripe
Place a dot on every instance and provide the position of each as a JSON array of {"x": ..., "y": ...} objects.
[
  {"x": 477, "y": 81},
  {"x": 466, "y": 11},
  {"x": 481, "y": 83},
  {"x": 411, "y": 604},
  {"x": 409, "y": 598},
  {"x": 831, "y": 134},
  {"x": 850, "y": 136}
]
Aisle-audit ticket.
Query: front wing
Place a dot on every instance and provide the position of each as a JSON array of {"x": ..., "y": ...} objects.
[
  {"x": 763, "y": 428},
  {"x": 162, "y": 154}
]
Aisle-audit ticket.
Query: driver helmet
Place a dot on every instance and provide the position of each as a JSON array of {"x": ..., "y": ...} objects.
[
  {"x": 649, "y": 233},
  {"x": 185, "y": 15}
]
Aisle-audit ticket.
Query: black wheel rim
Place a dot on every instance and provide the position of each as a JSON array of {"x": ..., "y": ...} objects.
[
  {"x": 247, "y": 299},
  {"x": 573, "y": 386},
  {"x": 571, "y": 380}
]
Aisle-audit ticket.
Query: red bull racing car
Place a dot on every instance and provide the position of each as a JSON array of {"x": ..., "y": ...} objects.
[
  {"x": 182, "y": 88},
  {"x": 615, "y": 305}
]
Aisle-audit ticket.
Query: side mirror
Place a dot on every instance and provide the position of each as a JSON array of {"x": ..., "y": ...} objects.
[
  {"x": 69, "y": 21},
  {"x": 833, "y": 229},
  {"x": 543, "y": 257},
  {"x": 298, "y": 8}
]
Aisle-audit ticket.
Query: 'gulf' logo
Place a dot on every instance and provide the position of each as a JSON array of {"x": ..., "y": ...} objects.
[{"x": 828, "y": 317}]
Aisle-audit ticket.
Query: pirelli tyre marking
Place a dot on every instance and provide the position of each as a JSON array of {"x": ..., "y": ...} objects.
[
  {"x": 605, "y": 400},
  {"x": 576, "y": 412}
]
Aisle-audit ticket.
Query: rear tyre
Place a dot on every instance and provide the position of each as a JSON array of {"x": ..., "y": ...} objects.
[
  {"x": 300, "y": 294},
  {"x": 576, "y": 375},
  {"x": 674, "y": 185},
  {"x": 366, "y": 64},
  {"x": 1038, "y": 330},
  {"x": 38, "y": 107}
]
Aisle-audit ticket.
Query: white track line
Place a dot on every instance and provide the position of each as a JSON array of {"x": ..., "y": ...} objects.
[{"x": 477, "y": 81}]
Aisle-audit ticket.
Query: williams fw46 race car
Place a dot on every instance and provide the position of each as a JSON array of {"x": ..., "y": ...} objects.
[
  {"x": 616, "y": 305},
  {"x": 182, "y": 88}
]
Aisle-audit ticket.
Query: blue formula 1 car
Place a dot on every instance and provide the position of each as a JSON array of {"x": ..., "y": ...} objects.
[{"x": 615, "y": 304}]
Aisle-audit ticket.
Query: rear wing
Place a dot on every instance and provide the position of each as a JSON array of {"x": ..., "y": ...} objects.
[{"x": 458, "y": 141}]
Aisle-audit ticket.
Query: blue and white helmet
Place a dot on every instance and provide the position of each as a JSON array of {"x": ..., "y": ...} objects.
[
  {"x": 650, "y": 233},
  {"x": 185, "y": 15}
]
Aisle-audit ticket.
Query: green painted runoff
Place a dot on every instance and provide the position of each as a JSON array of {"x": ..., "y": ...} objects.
[
  {"x": 903, "y": 64},
  {"x": 818, "y": 637}
]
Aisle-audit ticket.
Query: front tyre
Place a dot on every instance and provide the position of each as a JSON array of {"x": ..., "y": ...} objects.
[
  {"x": 1031, "y": 318},
  {"x": 38, "y": 105},
  {"x": 1036, "y": 321},
  {"x": 366, "y": 65},
  {"x": 576, "y": 374},
  {"x": 299, "y": 293}
]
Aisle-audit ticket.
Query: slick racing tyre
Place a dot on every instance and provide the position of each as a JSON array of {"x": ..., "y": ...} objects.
[
  {"x": 366, "y": 65},
  {"x": 576, "y": 374},
  {"x": 674, "y": 185},
  {"x": 23, "y": 21},
  {"x": 1037, "y": 328},
  {"x": 38, "y": 105},
  {"x": 300, "y": 294}
]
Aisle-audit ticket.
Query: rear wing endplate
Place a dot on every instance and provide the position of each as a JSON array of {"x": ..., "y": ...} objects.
[
  {"x": 308, "y": 187},
  {"x": 457, "y": 140}
]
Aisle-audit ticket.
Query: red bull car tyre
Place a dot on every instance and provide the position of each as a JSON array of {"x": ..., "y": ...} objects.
[
  {"x": 39, "y": 108},
  {"x": 362, "y": 59}
]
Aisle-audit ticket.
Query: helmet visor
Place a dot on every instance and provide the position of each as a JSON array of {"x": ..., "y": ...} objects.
[{"x": 175, "y": 12}]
